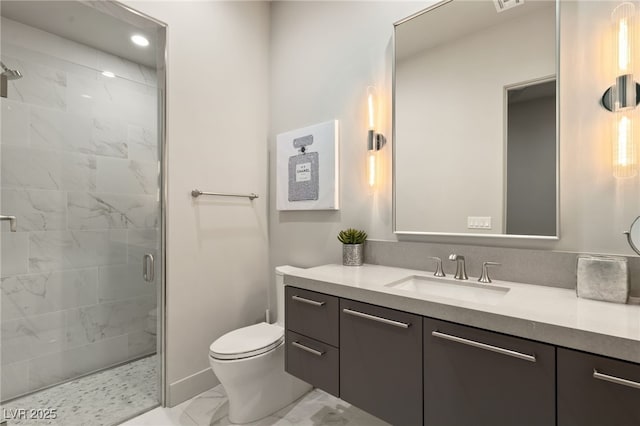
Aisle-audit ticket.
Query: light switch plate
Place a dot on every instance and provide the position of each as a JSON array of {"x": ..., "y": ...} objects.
[{"x": 479, "y": 222}]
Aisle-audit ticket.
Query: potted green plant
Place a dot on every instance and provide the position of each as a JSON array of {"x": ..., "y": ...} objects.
[{"x": 352, "y": 246}]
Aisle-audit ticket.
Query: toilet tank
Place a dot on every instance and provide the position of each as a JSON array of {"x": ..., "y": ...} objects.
[{"x": 280, "y": 271}]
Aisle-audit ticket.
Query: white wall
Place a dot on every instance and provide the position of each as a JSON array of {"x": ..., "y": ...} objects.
[
  {"x": 450, "y": 122},
  {"x": 595, "y": 208},
  {"x": 217, "y": 267},
  {"x": 323, "y": 57}
]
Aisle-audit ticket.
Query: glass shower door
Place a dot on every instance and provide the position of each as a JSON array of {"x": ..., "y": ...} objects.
[{"x": 80, "y": 172}]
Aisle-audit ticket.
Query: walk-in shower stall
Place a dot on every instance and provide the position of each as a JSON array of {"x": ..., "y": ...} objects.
[{"x": 81, "y": 203}]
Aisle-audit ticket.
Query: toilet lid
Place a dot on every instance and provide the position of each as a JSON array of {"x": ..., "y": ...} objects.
[{"x": 247, "y": 341}]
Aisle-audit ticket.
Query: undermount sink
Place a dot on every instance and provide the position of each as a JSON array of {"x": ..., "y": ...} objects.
[{"x": 451, "y": 289}]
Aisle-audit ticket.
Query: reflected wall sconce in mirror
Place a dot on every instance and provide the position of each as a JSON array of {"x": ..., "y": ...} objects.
[
  {"x": 623, "y": 97},
  {"x": 375, "y": 140}
]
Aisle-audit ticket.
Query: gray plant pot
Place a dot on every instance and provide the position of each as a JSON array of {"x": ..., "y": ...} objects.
[{"x": 352, "y": 254}]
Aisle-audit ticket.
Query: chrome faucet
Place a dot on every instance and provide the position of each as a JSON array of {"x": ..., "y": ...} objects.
[{"x": 461, "y": 271}]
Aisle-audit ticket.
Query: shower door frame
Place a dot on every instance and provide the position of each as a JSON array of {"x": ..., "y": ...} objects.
[{"x": 124, "y": 12}]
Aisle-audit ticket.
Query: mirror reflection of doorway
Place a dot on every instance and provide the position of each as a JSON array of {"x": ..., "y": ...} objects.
[{"x": 531, "y": 158}]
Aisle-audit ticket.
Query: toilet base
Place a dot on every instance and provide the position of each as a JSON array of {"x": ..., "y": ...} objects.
[{"x": 258, "y": 386}]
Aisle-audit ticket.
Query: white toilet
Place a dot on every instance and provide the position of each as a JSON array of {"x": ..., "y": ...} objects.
[{"x": 249, "y": 362}]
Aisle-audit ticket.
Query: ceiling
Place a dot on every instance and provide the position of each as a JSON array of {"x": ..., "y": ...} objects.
[
  {"x": 455, "y": 20},
  {"x": 85, "y": 24}
]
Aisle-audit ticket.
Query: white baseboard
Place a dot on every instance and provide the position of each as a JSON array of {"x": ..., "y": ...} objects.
[{"x": 191, "y": 386}]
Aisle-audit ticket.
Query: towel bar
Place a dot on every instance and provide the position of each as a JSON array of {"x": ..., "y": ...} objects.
[{"x": 196, "y": 193}]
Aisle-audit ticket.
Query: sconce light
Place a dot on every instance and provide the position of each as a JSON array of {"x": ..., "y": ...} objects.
[
  {"x": 375, "y": 141},
  {"x": 623, "y": 97}
]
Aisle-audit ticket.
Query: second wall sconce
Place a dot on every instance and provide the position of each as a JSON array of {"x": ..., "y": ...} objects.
[
  {"x": 623, "y": 97},
  {"x": 375, "y": 140}
]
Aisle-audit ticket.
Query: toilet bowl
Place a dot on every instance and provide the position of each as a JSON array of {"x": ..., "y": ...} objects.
[{"x": 249, "y": 362}]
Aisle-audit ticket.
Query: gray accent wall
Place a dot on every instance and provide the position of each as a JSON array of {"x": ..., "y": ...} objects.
[{"x": 540, "y": 267}]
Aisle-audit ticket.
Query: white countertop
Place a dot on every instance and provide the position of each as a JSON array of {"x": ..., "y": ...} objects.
[{"x": 547, "y": 314}]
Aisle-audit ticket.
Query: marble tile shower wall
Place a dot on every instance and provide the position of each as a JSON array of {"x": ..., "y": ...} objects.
[{"x": 79, "y": 168}]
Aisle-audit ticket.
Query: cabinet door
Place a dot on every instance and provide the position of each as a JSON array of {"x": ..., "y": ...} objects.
[
  {"x": 312, "y": 361},
  {"x": 312, "y": 314},
  {"x": 380, "y": 362},
  {"x": 476, "y": 377},
  {"x": 595, "y": 390}
]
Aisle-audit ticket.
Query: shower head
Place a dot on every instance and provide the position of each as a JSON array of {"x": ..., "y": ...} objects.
[{"x": 9, "y": 73}]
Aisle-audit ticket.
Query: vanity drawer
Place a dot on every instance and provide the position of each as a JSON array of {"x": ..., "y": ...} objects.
[
  {"x": 595, "y": 390},
  {"x": 312, "y": 314},
  {"x": 312, "y": 361}
]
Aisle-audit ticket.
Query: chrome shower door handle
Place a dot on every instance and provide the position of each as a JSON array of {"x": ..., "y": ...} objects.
[
  {"x": 148, "y": 267},
  {"x": 13, "y": 222}
]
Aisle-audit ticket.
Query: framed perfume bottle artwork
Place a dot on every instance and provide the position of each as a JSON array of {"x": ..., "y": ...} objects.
[{"x": 307, "y": 168}]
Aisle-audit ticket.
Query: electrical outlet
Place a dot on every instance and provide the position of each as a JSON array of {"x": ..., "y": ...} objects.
[{"x": 479, "y": 222}]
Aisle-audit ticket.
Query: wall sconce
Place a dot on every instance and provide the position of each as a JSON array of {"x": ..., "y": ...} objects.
[
  {"x": 375, "y": 141},
  {"x": 623, "y": 97}
]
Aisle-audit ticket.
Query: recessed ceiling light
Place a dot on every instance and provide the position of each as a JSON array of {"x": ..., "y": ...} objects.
[
  {"x": 108, "y": 74},
  {"x": 140, "y": 40}
]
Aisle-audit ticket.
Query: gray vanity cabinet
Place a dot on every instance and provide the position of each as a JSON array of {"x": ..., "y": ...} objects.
[
  {"x": 311, "y": 338},
  {"x": 477, "y": 377},
  {"x": 594, "y": 390},
  {"x": 411, "y": 370},
  {"x": 381, "y": 361}
]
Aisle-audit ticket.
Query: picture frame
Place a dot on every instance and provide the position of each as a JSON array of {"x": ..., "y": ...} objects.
[{"x": 307, "y": 172}]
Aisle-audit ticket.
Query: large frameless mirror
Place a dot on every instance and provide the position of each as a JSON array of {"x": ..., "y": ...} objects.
[{"x": 475, "y": 120}]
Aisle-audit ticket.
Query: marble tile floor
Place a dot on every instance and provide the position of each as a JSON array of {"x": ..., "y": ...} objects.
[
  {"x": 104, "y": 398},
  {"x": 316, "y": 408}
]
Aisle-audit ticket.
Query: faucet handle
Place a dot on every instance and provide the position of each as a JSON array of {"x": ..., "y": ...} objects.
[
  {"x": 484, "y": 278},
  {"x": 439, "y": 272}
]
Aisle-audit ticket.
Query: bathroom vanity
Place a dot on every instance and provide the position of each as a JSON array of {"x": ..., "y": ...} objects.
[{"x": 415, "y": 349}]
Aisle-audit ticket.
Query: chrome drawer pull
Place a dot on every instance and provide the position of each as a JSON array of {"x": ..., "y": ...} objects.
[
  {"x": 375, "y": 318},
  {"x": 307, "y": 349},
  {"x": 307, "y": 301},
  {"x": 617, "y": 380},
  {"x": 475, "y": 344}
]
